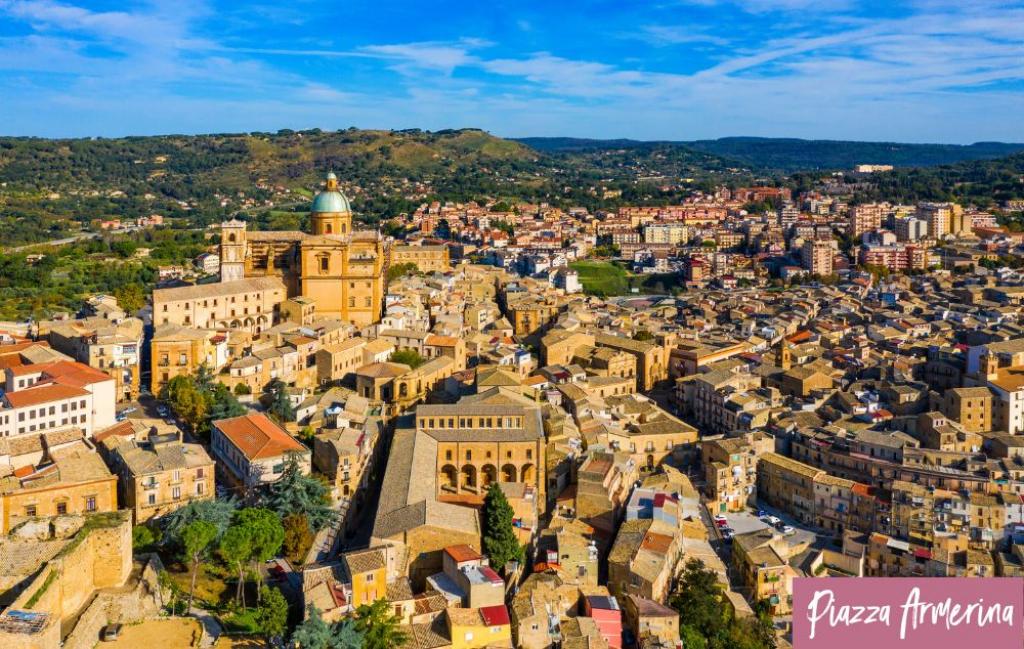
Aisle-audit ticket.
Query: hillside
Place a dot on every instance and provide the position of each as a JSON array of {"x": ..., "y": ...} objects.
[
  {"x": 981, "y": 182},
  {"x": 48, "y": 185},
  {"x": 790, "y": 154}
]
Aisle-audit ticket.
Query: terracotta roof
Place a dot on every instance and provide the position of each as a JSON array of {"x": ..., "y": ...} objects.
[
  {"x": 258, "y": 437},
  {"x": 43, "y": 394},
  {"x": 65, "y": 372},
  {"x": 462, "y": 553}
]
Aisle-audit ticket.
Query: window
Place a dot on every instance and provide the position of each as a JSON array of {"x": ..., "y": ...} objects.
[
  {"x": 30, "y": 510},
  {"x": 199, "y": 488},
  {"x": 90, "y": 503},
  {"x": 62, "y": 508},
  {"x": 176, "y": 493},
  {"x": 152, "y": 499}
]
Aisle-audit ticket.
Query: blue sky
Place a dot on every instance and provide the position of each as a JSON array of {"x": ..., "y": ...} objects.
[{"x": 918, "y": 71}]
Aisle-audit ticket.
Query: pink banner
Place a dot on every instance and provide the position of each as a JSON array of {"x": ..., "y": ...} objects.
[{"x": 932, "y": 613}]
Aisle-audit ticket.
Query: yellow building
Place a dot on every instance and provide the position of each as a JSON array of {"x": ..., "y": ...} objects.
[
  {"x": 488, "y": 626},
  {"x": 177, "y": 351},
  {"x": 72, "y": 480},
  {"x": 340, "y": 269},
  {"x": 427, "y": 259},
  {"x": 367, "y": 574}
]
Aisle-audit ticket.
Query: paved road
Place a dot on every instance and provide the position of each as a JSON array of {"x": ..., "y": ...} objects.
[{"x": 55, "y": 242}]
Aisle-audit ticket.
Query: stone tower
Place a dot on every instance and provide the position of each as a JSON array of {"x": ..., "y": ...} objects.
[
  {"x": 990, "y": 366},
  {"x": 785, "y": 355},
  {"x": 232, "y": 250}
]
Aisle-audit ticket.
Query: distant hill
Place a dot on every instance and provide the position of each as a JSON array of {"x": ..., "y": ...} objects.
[
  {"x": 790, "y": 154},
  {"x": 982, "y": 182},
  {"x": 44, "y": 183}
]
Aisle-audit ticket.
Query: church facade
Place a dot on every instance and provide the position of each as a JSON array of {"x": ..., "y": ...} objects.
[{"x": 341, "y": 269}]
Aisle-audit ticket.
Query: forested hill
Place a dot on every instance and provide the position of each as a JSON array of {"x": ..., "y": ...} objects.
[
  {"x": 790, "y": 154},
  {"x": 46, "y": 183},
  {"x": 981, "y": 182}
]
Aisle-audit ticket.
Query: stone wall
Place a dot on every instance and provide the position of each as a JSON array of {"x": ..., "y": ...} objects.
[
  {"x": 97, "y": 556},
  {"x": 138, "y": 600}
]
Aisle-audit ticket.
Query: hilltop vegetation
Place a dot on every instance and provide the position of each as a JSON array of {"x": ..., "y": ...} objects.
[
  {"x": 791, "y": 154},
  {"x": 51, "y": 187},
  {"x": 980, "y": 182}
]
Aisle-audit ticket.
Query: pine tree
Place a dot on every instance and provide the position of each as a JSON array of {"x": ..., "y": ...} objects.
[
  {"x": 281, "y": 405},
  {"x": 501, "y": 544},
  {"x": 296, "y": 493}
]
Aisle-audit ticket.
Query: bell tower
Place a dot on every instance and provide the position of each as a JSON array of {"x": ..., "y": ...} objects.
[
  {"x": 785, "y": 355},
  {"x": 990, "y": 366},
  {"x": 232, "y": 250}
]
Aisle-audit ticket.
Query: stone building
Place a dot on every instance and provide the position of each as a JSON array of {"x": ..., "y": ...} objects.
[{"x": 340, "y": 269}]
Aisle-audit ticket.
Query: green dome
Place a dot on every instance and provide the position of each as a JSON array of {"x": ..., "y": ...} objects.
[{"x": 330, "y": 201}]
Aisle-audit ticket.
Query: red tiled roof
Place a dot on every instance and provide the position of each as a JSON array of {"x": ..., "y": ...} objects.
[
  {"x": 257, "y": 437},
  {"x": 43, "y": 394},
  {"x": 462, "y": 553}
]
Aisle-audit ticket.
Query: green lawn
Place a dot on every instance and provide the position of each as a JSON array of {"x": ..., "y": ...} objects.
[
  {"x": 602, "y": 277},
  {"x": 607, "y": 279}
]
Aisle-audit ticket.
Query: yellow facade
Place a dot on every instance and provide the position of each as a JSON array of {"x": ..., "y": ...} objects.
[{"x": 339, "y": 269}]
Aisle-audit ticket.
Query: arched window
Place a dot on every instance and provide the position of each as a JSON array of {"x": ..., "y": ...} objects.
[
  {"x": 231, "y": 238},
  {"x": 328, "y": 228}
]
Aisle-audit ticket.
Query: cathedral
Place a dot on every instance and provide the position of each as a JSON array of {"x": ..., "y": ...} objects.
[{"x": 342, "y": 270}]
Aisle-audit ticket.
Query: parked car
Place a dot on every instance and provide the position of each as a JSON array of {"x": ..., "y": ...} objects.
[
  {"x": 788, "y": 530},
  {"x": 772, "y": 520},
  {"x": 722, "y": 523},
  {"x": 719, "y": 519},
  {"x": 727, "y": 533},
  {"x": 110, "y": 632}
]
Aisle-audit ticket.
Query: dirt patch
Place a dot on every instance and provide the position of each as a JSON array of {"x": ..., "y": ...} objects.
[{"x": 178, "y": 632}]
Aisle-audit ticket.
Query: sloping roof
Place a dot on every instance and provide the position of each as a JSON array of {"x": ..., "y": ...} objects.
[{"x": 257, "y": 437}]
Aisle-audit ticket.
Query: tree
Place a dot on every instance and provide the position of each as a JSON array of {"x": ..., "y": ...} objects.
[
  {"x": 379, "y": 626},
  {"x": 130, "y": 297},
  {"x": 408, "y": 357},
  {"x": 500, "y": 542},
  {"x": 272, "y": 613},
  {"x": 315, "y": 633},
  {"x": 280, "y": 403},
  {"x": 218, "y": 512},
  {"x": 296, "y": 493},
  {"x": 186, "y": 400},
  {"x": 142, "y": 537},
  {"x": 242, "y": 389},
  {"x": 266, "y": 534},
  {"x": 223, "y": 405},
  {"x": 298, "y": 538},
  {"x": 236, "y": 550},
  {"x": 643, "y": 335},
  {"x": 196, "y": 538},
  {"x": 706, "y": 623}
]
